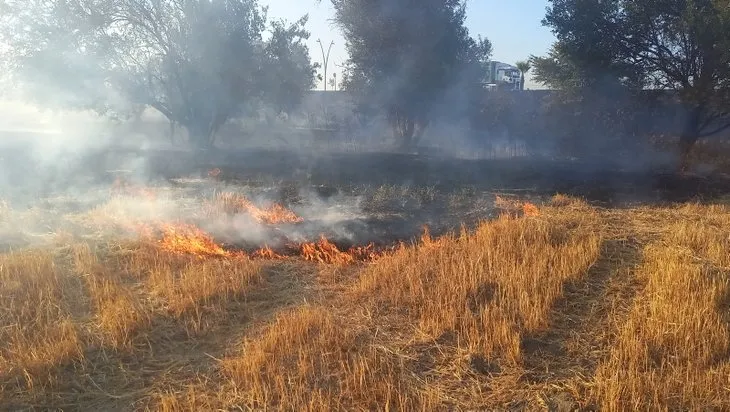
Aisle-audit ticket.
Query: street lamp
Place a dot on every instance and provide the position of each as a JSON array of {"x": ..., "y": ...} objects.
[{"x": 326, "y": 58}]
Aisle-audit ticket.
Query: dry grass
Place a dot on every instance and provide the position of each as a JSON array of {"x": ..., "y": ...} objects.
[
  {"x": 310, "y": 359},
  {"x": 117, "y": 313},
  {"x": 36, "y": 325},
  {"x": 674, "y": 350},
  {"x": 566, "y": 307},
  {"x": 81, "y": 307},
  {"x": 488, "y": 287}
]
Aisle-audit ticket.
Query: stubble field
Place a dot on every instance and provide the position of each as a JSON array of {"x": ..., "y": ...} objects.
[{"x": 216, "y": 294}]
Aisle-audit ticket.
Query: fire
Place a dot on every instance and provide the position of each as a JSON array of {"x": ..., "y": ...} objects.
[
  {"x": 324, "y": 251},
  {"x": 235, "y": 203},
  {"x": 513, "y": 208},
  {"x": 365, "y": 253},
  {"x": 429, "y": 241},
  {"x": 529, "y": 209},
  {"x": 188, "y": 239},
  {"x": 266, "y": 253}
]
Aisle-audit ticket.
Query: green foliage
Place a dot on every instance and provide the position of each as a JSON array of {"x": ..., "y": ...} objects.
[
  {"x": 523, "y": 66},
  {"x": 197, "y": 62},
  {"x": 677, "y": 45},
  {"x": 557, "y": 70},
  {"x": 406, "y": 56}
]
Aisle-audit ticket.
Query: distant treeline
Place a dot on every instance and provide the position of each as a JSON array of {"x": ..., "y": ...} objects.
[{"x": 589, "y": 122}]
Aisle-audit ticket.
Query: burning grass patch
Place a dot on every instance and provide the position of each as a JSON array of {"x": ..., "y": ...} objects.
[
  {"x": 230, "y": 203},
  {"x": 597, "y": 308},
  {"x": 324, "y": 251}
]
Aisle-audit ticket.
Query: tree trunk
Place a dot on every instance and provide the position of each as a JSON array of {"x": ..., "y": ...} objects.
[
  {"x": 689, "y": 137},
  {"x": 402, "y": 126},
  {"x": 407, "y": 128},
  {"x": 201, "y": 138}
]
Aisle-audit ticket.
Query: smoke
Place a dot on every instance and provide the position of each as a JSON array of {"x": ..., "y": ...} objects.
[{"x": 58, "y": 163}]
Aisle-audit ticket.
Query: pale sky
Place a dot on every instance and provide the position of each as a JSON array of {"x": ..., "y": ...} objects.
[{"x": 513, "y": 27}]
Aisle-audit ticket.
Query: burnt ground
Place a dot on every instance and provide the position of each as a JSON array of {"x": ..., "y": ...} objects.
[
  {"x": 602, "y": 181},
  {"x": 398, "y": 193}
]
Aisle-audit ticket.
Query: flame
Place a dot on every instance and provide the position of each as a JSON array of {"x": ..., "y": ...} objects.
[
  {"x": 266, "y": 253},
  {"x": 512, "y": 208},
  {"x": 188, "y": 239},
  {"x": 429, "y": 241},
  {"x": 234, "y": 203},
  {"x": 323, "y": 251},
  {"x": 365, "y": 253},
  {"x": 529, "y": 209}
]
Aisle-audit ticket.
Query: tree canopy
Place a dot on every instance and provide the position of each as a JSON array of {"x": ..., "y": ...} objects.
[
  {"x": 407, "y": 56},
  {"x": 198, "y": 62},
  {"x": 523, "y": 66},
  {"x": 677, "y": 45}
]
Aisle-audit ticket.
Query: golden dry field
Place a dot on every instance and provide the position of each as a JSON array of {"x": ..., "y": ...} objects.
[{"x": 558, "y": 305}]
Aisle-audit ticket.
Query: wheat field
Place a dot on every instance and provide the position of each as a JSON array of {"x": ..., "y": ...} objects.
[{"x": 567, "y": 307}]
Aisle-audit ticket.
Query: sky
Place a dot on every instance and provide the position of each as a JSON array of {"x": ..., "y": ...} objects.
[{"x": 513, "y": 27}]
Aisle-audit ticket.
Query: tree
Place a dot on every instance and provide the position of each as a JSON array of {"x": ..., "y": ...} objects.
[
  {"x": 678, "y": 45},
  {"x": 558, "y": 70},
  {"x": 408, "y": 56},
  {"x": 198, "y": 62},
  {"x": 523, "y": 67}
]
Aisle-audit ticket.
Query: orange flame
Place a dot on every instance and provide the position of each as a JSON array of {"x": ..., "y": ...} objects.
[
  {"x": 233, "y": 203},
  {"x": 188, "y": 239},
  {"x": 266, "y": 253},
  {"x": 513, "y": 208},
  {"x": 323, "y": 251},
  {"x": 365, "y": 253},
  {"x": 429, "y": 241},
  {"x": 529, "y": 209}
]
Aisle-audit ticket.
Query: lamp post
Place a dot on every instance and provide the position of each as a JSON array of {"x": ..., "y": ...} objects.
[{"x": 326, "y": 58}]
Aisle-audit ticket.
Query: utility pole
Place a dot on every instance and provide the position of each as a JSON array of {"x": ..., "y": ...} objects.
[{"x": 326, "y": 58}]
